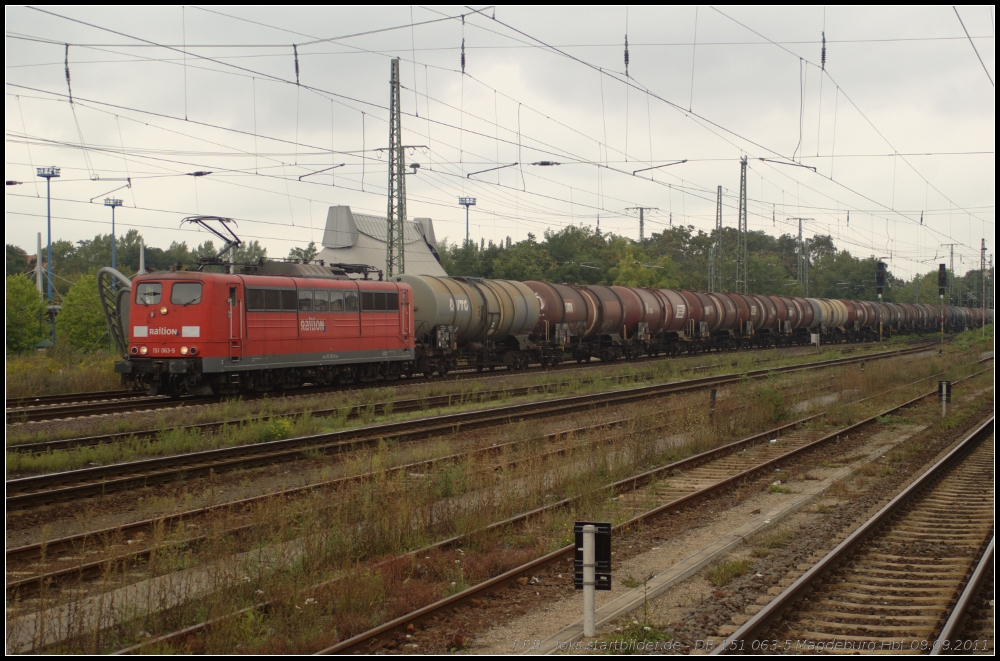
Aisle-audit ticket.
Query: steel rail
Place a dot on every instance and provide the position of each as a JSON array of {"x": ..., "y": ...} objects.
[
  {"x": 761, "y": 622},
  {"x": 359, "y": 641},
  {"x": 38, "y": 490},
  {"x": 69, "y": 398},
  {"x": 58, "y": 407},
  {"x": 352, "y": 411},
  {"x": 97, "y": 567},
  {"x": 951, "y": 629},
  {"x": 544, "y": 561},
  {"x": 78, "y": 543}
]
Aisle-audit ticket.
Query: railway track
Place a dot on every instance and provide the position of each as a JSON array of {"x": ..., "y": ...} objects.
[
  {"x": 82, "y": 545},
  {"x": 51, "y": 400},
  {"x": 350, "y": 412},
  {"x": 707, "y": 473},
  {"x": 30, "y": 492},
  {"x": 368, "y": 641},
  {"x": 61, "y": 407},
  {"x": 899, "y": 582}
]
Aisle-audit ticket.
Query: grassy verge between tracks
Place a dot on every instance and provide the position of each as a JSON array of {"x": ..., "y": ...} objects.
[
  {"x": 62, "y": 372},
  {"x": 324, "y": 536},
  {"x": 661, "y": 369},
  {"x": 261, "y": 420}
]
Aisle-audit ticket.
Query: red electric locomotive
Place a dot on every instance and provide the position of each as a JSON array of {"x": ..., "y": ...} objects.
[{"x": 190, "y": 332}]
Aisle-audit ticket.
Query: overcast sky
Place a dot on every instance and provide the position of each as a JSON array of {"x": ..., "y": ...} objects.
[{"x": 901, "y": 123}]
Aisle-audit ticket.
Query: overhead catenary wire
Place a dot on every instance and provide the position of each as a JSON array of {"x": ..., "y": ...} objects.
[
  {"x": 606, "y": 160},
  {"x": 976, "y": 50}
]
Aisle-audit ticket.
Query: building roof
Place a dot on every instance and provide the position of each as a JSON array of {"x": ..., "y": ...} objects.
[{"x": 354, "y": 238}]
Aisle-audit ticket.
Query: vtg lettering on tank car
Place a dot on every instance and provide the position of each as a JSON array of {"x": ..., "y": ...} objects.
[{"x": 290, "y": 324}]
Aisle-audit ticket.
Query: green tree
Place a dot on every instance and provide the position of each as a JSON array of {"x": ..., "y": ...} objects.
[
  {"x": 24, "y": 311},
  {"x": 253, "y": 252},
  {"x": 526, "y": 260},
  {"x": 634, "y": 270},
  {"x": 17, "y": 260},
  {"x": 306, "y": 254},
  {"x": 81, "y": 320}
]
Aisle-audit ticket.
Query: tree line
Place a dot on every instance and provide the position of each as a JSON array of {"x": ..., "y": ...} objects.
[{"x": 677, "y": 257}]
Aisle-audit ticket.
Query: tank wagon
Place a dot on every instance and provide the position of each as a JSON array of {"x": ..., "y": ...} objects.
[{"x": 282, "y": 325}]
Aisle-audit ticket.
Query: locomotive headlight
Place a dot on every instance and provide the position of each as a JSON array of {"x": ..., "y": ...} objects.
[
  {"x": 184, "y": 351},
  {"x": 134, "y": 350},
  {"x": 143, "y": 350},
  {"x": 163, "y": 310}
]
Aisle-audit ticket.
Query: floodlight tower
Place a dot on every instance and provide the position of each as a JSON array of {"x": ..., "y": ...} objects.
[
  {"x": 113, "y": 202},
  {"x": 49, "y": 173},
  {"x": 467, "y": 202}
]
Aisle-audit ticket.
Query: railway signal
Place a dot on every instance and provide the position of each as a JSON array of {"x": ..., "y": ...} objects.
[
  {"x": 879, "y": 284},
  {"x": 942, "y": 285},
  {"x": 591, "y": 566}
]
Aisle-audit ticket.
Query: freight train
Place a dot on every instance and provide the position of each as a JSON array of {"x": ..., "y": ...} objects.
[{"x": 281, "y": 325}]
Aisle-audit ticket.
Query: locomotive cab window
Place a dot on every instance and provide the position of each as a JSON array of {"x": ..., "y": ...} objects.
[
  {"x": 185, "y": 293},
  {"x": 255, "y": 299},
  {"x": 281, "y": 300},
  {"x": 379, "y": 301},
  {"x": 148, "y": 293},
  {"x": 272, "y": 300}
]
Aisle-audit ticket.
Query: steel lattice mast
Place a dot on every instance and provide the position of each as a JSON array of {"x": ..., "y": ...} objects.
[
  {"x": 742, "y": 277},
  {"x": 396, "y": 215},
  {"x": 714, "y": 255}
]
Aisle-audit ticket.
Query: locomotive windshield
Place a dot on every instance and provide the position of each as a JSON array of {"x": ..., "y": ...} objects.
[
  {"x": 148, "y": 293},
  {"x": 186, "y": 293}
]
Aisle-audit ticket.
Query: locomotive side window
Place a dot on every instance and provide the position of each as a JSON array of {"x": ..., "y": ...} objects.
[
  {"x": 392, "y": 301},
  {"x": 272, "y": 300},
  {"x": 305, "y": 300},
  {"x": 321, "y": 303},
  {"x": 255, "y": 299},
  {"x": 289, "y": 301},
  {"x": 336, "y": 301},
  {"x": 351, "y": 301},
  {"x": 367, "y": 301},
  {"x": 185, "y": 293},
  {"x": 148, "y": 293}
]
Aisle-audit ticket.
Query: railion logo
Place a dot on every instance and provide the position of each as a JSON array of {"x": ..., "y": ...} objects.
[
  {"x": 312, "y": 325},
  {"x": 163, "y": 331}
]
